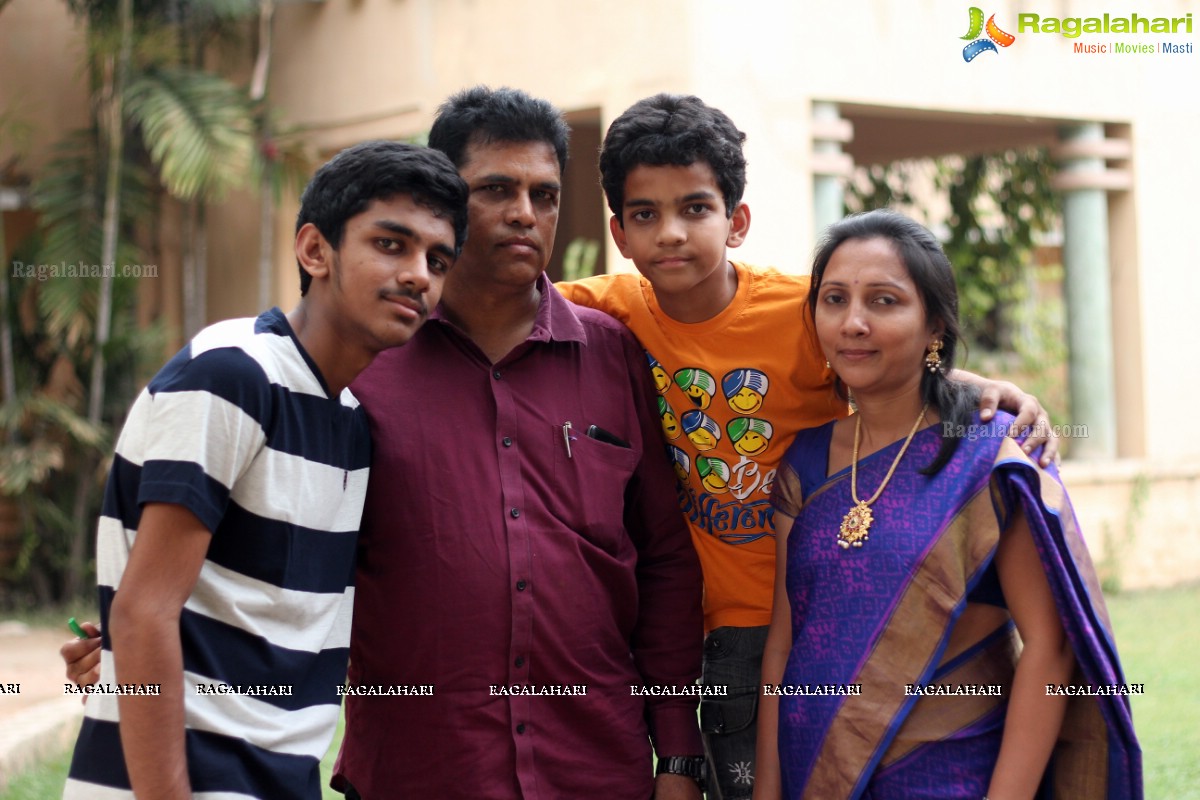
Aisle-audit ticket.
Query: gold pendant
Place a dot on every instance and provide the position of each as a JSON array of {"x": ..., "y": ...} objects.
[{"x": 855, "y": 526}]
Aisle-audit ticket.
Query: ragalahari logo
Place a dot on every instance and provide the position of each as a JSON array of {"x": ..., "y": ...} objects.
[{"x": 995, "y": 36}]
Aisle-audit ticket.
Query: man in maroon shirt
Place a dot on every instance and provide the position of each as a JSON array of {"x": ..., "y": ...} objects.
[{"x": 527, "y": 618}]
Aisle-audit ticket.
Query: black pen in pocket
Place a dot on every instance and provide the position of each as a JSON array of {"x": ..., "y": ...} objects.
[{"x": 601, "y": 435}]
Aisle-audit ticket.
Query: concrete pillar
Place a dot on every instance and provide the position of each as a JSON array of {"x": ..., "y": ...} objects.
[
  {"x": 1084, "y": 180},
  {"x": 830, "y": 166}
]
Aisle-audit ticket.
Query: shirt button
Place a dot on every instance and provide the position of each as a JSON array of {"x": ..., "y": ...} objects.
[
  {"x": 520, "y": 727},
  {"x": 506, "y": 441},
  {"x": 496, "y": 374},
  {"x": 520, "y": 662},
  {"x": 521, "y": 584},
  {"x": 514, "y": 512}
]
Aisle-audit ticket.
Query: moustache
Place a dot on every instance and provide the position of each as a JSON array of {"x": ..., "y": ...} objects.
[{"x": 416, "y": 297}]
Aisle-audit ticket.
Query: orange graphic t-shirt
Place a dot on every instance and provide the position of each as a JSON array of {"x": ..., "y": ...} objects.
[{"x": 732, "y": 392}]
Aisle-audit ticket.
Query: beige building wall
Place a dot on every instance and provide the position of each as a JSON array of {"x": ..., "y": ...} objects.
[{"x": 41, "y": 49}]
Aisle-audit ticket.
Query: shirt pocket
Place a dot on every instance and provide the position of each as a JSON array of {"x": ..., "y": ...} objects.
[{"x": 593, "y": 479}]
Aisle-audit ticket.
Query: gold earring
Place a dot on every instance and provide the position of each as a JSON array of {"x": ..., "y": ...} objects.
[{"x": 933, "y": 359}]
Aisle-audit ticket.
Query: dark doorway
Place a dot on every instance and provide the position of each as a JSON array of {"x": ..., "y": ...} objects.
[{"x": 582, "y": 216}]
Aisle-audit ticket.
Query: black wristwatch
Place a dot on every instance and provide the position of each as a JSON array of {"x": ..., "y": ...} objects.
[{"x": 689, "y": 766}]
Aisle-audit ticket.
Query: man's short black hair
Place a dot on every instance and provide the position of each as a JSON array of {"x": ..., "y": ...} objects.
[
  {"x": 486, "y": 115},
  {"x": 380, "y": 170},
  {"x": 672, "y": 130}
]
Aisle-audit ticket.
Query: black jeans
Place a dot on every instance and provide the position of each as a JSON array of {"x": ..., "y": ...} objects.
[{"x": 732, "y": 658}]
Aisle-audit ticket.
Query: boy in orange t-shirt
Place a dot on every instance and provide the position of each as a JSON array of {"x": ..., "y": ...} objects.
[{"x": 738, "y": 372}]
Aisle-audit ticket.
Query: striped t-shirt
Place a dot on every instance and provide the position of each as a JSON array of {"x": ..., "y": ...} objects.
[{"x": 240, "y": 429}]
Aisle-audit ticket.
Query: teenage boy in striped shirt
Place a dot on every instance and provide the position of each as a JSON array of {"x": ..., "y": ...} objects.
[{"x": 227, "y": 541}]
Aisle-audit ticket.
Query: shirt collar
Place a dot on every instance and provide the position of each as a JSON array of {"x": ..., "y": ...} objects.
[
  {"x": 556, "y": 320},
  {"x": 276, "y": 322}
]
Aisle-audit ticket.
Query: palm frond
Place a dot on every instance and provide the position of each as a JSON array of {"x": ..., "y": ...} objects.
[
  {"x": 197, "y": 127},
  {"x": 23, "y": 466},
  {"x": 224, "y": 10},
  {"x": 66, "y": 420},
  {"x": 69, "y": 199}
]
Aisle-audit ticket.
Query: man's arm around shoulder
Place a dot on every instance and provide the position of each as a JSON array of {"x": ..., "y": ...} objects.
[{"x": 164, "y": 564}]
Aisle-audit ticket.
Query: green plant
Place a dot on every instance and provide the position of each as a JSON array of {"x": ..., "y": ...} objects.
[
  {"x": 579, "y": 259},
  {"x": 1116, "y": 547},
  {"x": 998, "y": 206},
  {"x": 162, "y": 127},
  {"x": 53, "y": 448},
  {"x": 49, "y": 451}
]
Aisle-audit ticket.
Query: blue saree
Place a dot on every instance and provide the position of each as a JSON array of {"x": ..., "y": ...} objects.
[{"x": 879, "y": 618}]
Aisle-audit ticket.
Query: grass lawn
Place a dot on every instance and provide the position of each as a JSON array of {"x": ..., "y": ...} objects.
[
  {"x": 1158, "y": 648},
  {"x": 47, "y": 779},
  {"x": 327, "y": 763},
  {"x": 42, "y": 782}
]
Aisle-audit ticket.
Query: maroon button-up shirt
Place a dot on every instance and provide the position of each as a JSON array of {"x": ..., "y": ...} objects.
[{"x": 505, "y": 551}]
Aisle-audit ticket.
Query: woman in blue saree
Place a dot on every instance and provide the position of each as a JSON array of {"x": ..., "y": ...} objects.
[{"x": 938, "y": 628}]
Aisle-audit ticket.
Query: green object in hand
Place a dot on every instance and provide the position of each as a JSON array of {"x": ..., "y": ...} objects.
[{"x": 76, "y": 629}]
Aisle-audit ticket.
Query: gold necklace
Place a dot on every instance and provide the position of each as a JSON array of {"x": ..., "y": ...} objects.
[{"x": 857, "y": 522}]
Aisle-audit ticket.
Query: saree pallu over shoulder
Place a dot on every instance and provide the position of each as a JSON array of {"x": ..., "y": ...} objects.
[
  {"x": 879, "y": 617},
  {"x": 1097, "y": 754}
]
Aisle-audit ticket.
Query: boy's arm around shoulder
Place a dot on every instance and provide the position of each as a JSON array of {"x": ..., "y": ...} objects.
[
  {"x": 1031, "y": 417},
  {"x": 164, "y": 564},
  {"x": 610, "y": 293}
]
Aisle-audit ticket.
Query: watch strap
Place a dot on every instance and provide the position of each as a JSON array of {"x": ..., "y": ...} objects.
[{"x": 693, "y": 767}]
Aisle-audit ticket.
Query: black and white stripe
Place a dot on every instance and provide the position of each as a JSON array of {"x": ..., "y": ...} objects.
[{"x": 239, "y": 428}]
